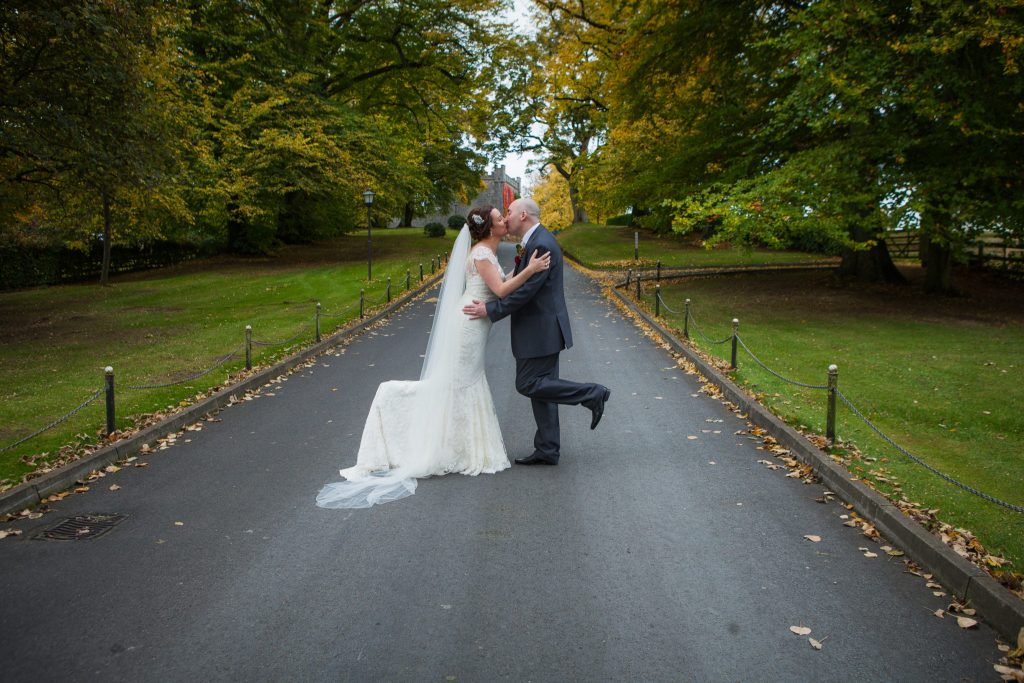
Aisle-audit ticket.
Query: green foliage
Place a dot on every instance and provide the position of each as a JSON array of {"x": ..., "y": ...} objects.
[
  {"x": 433, "y": 230},
  {"x": 456, "y": 222},
  {"x": 253, "y": 126},
  {"x": 624, "y": 219},
  {"x": 818, "y": 124}
]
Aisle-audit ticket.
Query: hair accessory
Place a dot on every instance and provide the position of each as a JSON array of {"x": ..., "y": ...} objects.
[{"x": 477, "y": 218}]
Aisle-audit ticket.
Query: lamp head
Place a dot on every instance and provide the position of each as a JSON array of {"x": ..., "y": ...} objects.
[{"x": 368, "y": 197}]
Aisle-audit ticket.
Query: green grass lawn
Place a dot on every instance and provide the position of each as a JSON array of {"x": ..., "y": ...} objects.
[
  {"x": 943, "y": 377},
  {"x": 611, "y": 247},
  {"x": 164, "y": 325}
]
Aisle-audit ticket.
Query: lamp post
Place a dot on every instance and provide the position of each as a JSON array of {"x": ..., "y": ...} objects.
[{"x": 368, "y": 200}]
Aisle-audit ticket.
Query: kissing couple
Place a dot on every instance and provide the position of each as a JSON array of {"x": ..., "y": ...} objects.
[{"x": 446, "y": 421}]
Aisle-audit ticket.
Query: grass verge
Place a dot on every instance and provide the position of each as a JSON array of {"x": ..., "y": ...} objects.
[
  {"x": 163, "y": 326},
  {"x": 605, "y": 247},
  {"x": 942, "y": 377}
]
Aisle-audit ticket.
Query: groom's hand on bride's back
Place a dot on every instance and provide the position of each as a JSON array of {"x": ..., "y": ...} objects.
[{"x": 475, "y": 310}]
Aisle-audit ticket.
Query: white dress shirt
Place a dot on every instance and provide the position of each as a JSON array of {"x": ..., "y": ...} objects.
[{"x": 529, "y": 234}]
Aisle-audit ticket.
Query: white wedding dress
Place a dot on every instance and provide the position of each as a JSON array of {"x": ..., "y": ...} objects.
[{"x": 443, "y": 423}]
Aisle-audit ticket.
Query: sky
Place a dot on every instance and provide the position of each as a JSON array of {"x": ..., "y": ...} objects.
[{"x": 515, "y": 164}]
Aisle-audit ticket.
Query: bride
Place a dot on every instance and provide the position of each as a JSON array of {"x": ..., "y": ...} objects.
[{"x": 446, "y": 421}]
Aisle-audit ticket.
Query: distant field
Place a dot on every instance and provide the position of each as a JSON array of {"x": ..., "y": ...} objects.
[
  {"x": 164, "y": 325},
  {"x": 944, "y": 377},
  {"x": 610, "y": 247}
]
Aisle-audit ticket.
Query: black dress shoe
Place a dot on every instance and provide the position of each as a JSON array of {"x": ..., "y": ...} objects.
[
  {"x": 535, "y": 459},
  {"x": 597, "y": 409}
]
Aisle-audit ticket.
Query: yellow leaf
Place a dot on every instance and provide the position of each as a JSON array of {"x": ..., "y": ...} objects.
[
  {"x": 115, "y": 487},
  {"x": 812, "y": 538},
  {"x": 966, "y": 622},
  {"x": 1019, "y": 652},
  {"x": 179, "y": 524},
  {"x": 800, "y": 630},
  {"x": 941, "y": 614}
]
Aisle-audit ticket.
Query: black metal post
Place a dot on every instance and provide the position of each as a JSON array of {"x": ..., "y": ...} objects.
[
  {"x": 830, "y": 416},
  {"x": 421, "y": 272},
  {"x": 638, "y": 278},
  {"x": 109, "y": 372},
  {"x": 432, "y": 269},
  {"x": 389, "y": 289},
  {"x": 657, "y": 301},
  {"x": 659, "y": 271},
  {"x": 369, "y": 245},
  {"x": 248, "y": 347},
  {"x": 629, "y": 276},
  {"x": 408, "y": 279},
  {"x": 735, "y": 338},
  {"x": 362, "y": 302},
  {"x": 686, "y": 321},
  {"x": 318, "y": 321},
  {"x": 636, "y": 245}
]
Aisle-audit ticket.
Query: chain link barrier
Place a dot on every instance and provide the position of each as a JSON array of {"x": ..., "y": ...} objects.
[
  {"x": 220, "y": 361},
  {"x": 784, "y": 379},
  {"x": 341, "y": 314},
  {"x": 885, "y": 437},
  {"x": 922, "y": 463},
  {"x": 708, "y": 339},
  {"x": 667, "y": 307},
  {"x": 56, "y": 422},
  {"x": 305, "y": 329}
]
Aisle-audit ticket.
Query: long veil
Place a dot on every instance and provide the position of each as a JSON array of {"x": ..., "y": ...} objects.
[{"x": 434, "y": 392}]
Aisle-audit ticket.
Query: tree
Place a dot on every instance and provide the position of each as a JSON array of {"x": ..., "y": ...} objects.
[{"x": 85, "y": 90}]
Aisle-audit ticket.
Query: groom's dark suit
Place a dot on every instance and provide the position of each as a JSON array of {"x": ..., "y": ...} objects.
[{"x": 540, "y": 330}]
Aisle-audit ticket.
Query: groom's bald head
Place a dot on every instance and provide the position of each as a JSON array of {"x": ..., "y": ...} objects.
[
  {"x": 526, "y": 205},
  {"x": 522, "y": 214}
]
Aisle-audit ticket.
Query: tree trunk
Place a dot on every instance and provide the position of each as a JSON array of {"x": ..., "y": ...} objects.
[
  {"x": 407, "y": 215},
  {"x": 579, "y": 214},
  {"x": 869, "y": 265},
  {"x": 937, "y": 252},
  {"x": 105, "y": 271}
]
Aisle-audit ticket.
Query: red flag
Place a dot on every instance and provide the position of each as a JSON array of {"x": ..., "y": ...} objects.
[{"x": 507, "y": 195}]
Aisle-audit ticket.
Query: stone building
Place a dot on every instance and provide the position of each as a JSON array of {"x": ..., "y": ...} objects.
[{"x": 494, "y": 186}]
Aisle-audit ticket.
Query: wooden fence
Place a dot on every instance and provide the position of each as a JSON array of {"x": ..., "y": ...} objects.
[{"x": 986, "y": 251}]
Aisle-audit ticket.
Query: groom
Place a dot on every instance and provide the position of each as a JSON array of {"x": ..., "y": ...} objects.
[{"x": 540, "y": 330}]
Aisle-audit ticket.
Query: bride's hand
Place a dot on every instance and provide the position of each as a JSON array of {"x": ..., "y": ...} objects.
[{"x": 539, "y": 263}]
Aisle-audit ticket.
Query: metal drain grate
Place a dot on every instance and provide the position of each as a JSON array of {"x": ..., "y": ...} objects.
[{"x": 81, "y": 527}]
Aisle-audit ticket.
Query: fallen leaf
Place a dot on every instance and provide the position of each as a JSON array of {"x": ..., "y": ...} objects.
[
  {"x": 691, "y": 437},
  {"x": 941, "y": 614},
  {"x": 179, "y": 524},
  {"x": 966, "y": 622},
  {"x": 870, "y": 554},
  {"x": 81, "y": 489},
  {"x": 800, "y": 630},
  {"x": 1019, "y": 652},
  {"x": 115, "y": 487},
  {"x": 814, "y": 643},
  {"x": 1009, "y": 674},
  {"x": 112, "y": 468},
  {"x": 812, "y": 538}
]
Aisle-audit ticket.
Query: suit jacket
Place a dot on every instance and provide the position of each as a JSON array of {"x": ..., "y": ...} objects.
[{"x": 540, "y": 320}]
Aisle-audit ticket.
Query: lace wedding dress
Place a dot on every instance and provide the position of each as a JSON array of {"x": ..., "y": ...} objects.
[{"x": 441, "y": 424}]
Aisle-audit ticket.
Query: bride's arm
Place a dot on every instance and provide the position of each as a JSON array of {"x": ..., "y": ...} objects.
[{"x": 489, "y": 272}]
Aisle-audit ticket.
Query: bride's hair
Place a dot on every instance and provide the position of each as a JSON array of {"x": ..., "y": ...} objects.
[{"x": 479, "y": 222}]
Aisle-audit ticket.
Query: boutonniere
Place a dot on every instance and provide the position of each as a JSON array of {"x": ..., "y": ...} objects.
[{"x": 519, "y": 253}]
